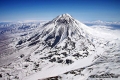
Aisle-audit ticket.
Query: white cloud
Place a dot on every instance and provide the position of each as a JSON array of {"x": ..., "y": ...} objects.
[
  {"x": 99, "y": 22},
  {"x": 114, "y": 33}
]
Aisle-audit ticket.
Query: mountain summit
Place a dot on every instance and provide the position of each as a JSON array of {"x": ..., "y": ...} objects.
[{"x": 64, "y": 18}]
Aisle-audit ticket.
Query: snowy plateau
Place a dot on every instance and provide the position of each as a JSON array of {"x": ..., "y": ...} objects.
[{"x": 60, "y": 49}]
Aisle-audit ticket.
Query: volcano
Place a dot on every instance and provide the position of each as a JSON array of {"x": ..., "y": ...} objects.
[{"x": 62, "y": 31}]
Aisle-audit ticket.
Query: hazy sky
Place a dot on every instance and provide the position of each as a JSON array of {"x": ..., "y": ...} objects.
[{"x": 83, "y": 10}]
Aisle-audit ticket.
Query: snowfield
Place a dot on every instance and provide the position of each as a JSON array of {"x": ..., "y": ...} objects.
[{"x": 61, "y": 49}]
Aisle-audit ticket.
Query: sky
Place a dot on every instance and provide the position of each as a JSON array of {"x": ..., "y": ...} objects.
[{"x": 83, "y": 10}]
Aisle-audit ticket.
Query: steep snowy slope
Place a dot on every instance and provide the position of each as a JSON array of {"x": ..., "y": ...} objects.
[
  {"x": 57, "y": 47},
  {"x": 12, "y": 32},
  {"x": 106, "y": 67}
]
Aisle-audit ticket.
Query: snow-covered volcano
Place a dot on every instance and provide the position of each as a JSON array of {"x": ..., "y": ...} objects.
[
  {"x": 61, "y": 28},
  {"x": 61, "y": 40},
  {"x": 59, "y": 46},
  {"x": 59, "y": 31}
]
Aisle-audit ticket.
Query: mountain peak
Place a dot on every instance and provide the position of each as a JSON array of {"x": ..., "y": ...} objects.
[
  {"x": 64, "y": 18},
  {"x": 65, "y": 15}
]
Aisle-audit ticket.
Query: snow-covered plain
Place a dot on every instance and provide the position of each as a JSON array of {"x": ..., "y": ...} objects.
[{"x": 61, "y": 49}]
